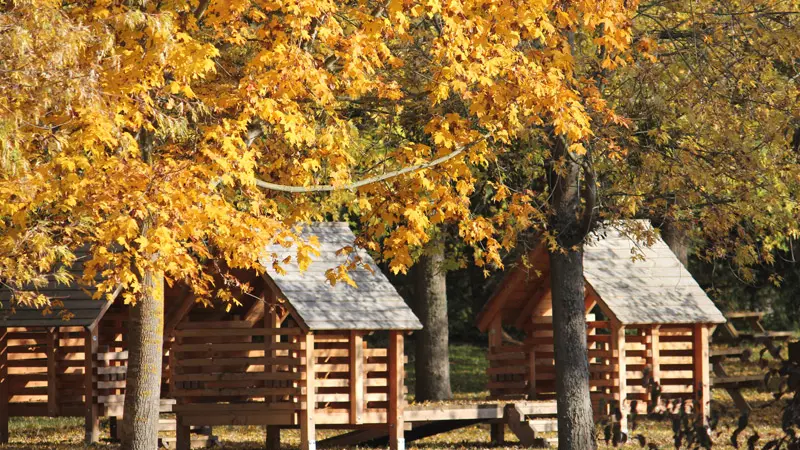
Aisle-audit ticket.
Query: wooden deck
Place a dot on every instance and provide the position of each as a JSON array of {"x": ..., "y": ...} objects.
[{"x": 424, "y": 420}]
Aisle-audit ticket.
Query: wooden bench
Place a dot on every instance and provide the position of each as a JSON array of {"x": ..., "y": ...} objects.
[
  {"x": 740, "y": 353},
  {"x": 742, "y": 381}
]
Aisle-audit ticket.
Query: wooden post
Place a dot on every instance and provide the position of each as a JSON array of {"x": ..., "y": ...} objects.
[
  {"x": 183, "y": 435},
  {"x": 356, "y": 378},
  {"x": 655, "y": 352},
  {"x": 4, "y": 386},
  {"x": 495, "y": 342},
  {"x": 272, "y": 321},
  {"x": 655, "y": 363},
  {"x": 618, "y": 346},
  {"x": 496, "y": 333},
  {"x": 52, "y": 372},
  {"x": 702, "y": 380},
  {"x": 497, "y": 433},
  {"x": 396, "y": 397},
  {"x": 92, "y": 424},
  {"x": 273, "y": 437},
  {"x": 308, "y": 435},
  {"x": 532, "y": 374}
]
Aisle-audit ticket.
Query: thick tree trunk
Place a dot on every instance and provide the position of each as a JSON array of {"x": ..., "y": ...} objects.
[
  {"x": 675, "y": 239},
  {"x": 432, "y": 353},
  {"x": 143, "y": 387},
  {"x": 575, "y": 419}
]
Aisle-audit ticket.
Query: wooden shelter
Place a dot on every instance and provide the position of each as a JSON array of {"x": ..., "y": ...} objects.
[
  {"x": 44, "y": 370},
  {"x": 306, "y": 362},
  {"x": 648, "y": 325},
  {"x": 292, "y": 342}
]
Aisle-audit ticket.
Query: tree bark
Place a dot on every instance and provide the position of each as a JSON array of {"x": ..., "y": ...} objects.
[
  {"x": 143, "y": 386},
  {"x": 575, "y": 419},
  {"x": 675, "y": 239},
  {"x": 432, "y": 361}
]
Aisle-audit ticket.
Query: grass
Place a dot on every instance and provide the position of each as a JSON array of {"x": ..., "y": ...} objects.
[{"x": 468, "y": 379}]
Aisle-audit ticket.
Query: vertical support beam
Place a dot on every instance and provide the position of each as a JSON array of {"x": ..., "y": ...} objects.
[
  {"x": 308, "y": 435},
  {"x": 618, "y": 347},
  {"x": 52, "y": 372},
  {"x": 532, "y": 374},
  {"x": 497, "y": 433},
  {"x": 4, "y": 386},
  {"x": 655, "y": 352},
  {"x": 396, "y": 396},
  {"x": 273, "y": 437},
  {"x": 272, "y": 321},
  {"x": 655, "y": 363},
  {"x": 183, "y": 433},
  {"x": 702, "y": 378},
  {"x": 495, "y": 342},
  {"x": 496, "y": 333},
  {"x": 357, "y": 375},
  {"x": 92, "y": 424}
]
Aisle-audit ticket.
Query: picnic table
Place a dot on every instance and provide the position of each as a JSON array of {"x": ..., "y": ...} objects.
[
  {"x": 733, "y": 332},
  {"x": 729, "y": 332}
]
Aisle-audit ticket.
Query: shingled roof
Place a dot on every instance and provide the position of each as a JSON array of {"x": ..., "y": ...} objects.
[
  {"x": 72, "y": 304},
  {"x": 373, "y": 305},
  {"x": 654, "y": 288},
  {"x": 636, "y": 283}
]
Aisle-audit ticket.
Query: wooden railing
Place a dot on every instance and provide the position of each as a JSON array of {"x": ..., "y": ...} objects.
[
  {"x": 352, "y": 379},
  {"x": 230, "y": 366},
  {"x": 45, "y": 371}
]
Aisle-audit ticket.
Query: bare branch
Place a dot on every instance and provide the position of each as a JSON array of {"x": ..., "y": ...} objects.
[{"x": 366, "y": 181}]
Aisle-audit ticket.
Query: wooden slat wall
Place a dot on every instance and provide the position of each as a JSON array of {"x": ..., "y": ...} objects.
[
  {"x": 335, "y": 376},
  {"x": 603, "y": 371},
  {"x": 663, "y": 351},
  {"x": 228, "y": 363},
  {"x": 31, "y": 351},
  {"x": 675, "y": 361}
]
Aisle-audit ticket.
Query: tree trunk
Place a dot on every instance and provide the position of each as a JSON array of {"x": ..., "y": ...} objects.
[
  {"x": 143, "y": 386},
  {"x": 432, "y": 353},
  {"x": 575, "y": 419},
  {"x": 675, "y": 239}
]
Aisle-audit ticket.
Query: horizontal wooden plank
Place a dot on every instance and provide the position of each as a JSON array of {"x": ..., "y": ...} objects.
[
  {"x": 214, "y": 362},
  {"x": 233, "y": 418},
  {"x": 210, "y": 324},
  {"x": 745, "y": 315},
  {"x": 240, "y": 332},
  {"x": 232, "y": 376},
  {"x": 234, "y": 392}
]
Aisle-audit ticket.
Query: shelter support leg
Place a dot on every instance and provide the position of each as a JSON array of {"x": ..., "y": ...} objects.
[
  {"x": 273, "y": 437},
  {"x": 357, "y": 375},
  {"x": 618, "y": 344},
  {"x": 183, "y": 435},
  {"x": 90, "y": 383},
  {"x": 653, "y": 360},
  {"x": 702, "y": 378},
  {"x": 308, "y": 434},
  {"x": 396, "y": 395},
  {"x": 52, "y": 372},
  {"x": 497, "y": 433},
  {"x": 113, "y": 428},
  {"x": 4, "y": 386}
]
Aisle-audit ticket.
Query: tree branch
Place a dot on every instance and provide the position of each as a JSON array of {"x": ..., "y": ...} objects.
[
  {"x": 201, "y": 9},
  {"x": 366, "y": 181}
]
